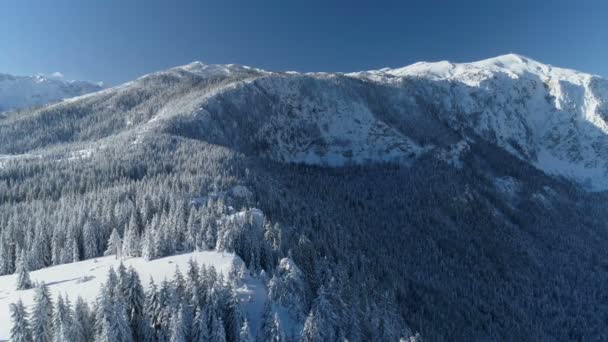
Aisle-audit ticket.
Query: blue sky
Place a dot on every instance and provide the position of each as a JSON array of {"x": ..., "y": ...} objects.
[{"x": 117, "y": 40}]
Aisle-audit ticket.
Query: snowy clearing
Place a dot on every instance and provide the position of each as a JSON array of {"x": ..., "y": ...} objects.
[{"x": 85, "y": 278}]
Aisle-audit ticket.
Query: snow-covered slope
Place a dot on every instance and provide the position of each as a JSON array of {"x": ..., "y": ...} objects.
[
  {"x": 551, "y": 117},
  {"x": 85, "y": 278},
  {"x": 25, "y": 91}
]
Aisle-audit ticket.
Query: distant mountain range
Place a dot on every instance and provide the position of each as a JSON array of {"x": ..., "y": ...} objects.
[{"x": 26, "y": 91}]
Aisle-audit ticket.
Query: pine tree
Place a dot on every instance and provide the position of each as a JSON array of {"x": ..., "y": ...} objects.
[
  {"x": 114, "y": 245},
  {"x": 20, "y": 332},
  {"x": 23, "y": 274},
  {"x": 42, "y": 315}
]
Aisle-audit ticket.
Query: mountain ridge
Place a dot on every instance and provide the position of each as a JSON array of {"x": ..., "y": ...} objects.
[
  {"x": 551, "y": 117},
  {"x": 17, "y": 92}
]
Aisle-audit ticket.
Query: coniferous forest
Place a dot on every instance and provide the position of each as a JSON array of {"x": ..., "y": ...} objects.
[{"x": 359, "y": 252}]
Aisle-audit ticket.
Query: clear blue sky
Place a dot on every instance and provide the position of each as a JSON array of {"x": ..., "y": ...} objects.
[{"x": 118, "y": 40}]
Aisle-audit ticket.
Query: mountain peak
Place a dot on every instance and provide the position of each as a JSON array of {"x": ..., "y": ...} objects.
[{"x": 204, "y": 69}]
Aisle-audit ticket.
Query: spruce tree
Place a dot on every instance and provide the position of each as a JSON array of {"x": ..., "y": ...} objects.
[
  {"x": 132, "y": 242},
  {"x": 23, "y": 274},
  {"x": 234, "y": 316},
  {"x": 200, "y": 326},
  {"x": 20, "y": 332},
  {"x": 114, "y": 245},
  {"x": 135, "y": 298},
  {"x": 119, "y": 324},
  {"x": 217, "y": 332},
  {"x": 62, "y": 321},
  {"x": 277, "y": 331},
  {"x": 245, "y": 333},
  {"x": 83, "y": 325},
  {"x": 42, "y": 315},
  {"x": 178, "y": 328},
  {"x": 91, "y": 240}
]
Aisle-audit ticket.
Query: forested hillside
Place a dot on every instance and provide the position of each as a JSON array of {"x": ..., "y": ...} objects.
[{"x": 370, "y": 220}]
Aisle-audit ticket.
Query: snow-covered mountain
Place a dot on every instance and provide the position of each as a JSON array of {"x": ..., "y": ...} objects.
[
  {"x": 555, "y": 118},
  {"x": 465, "y": 237},
  {"x": 551, "y": 117},
  {"x": 26, "y": 91}
]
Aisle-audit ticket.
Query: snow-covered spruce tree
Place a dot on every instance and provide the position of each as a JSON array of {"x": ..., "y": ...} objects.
[
  {"x": 91, "y": 239},
  {"x": 322, "y": 321},
  {"x": 152, "y": 307},
  {"x": 287, "y": 287},
  {"x": 216, "y": 327},
  {"x": 179, "y": 285},
  {"x": 83, "y": 322},
  {"x": 119, "y": 323},
  {"x": 148, "y": 247},
  {"x": 200, "y": 326},
  {"x": 233, "y": 315},
  {"x": 20, "y": 332},
  {"x": 193, "y": 281},
  {"x": 42, "y": 315},
  {"x": 114, "y": 245},
  {"x": 41, "y": 255},
  {"x": 23, "y": 275},
  {"x": 191, "y": 242},
  {"x": 245, "y": 333},
  {"x": 178, "y": 327},
  {"x": 7, "y": 253},
  {"x": 135, "y": 298},
  {"x": 131, "y": 246},
  {"x": 271, "y": 326},
  {"x": 62, "y": 321},
  {"x": 311, "y": 331},
  {"x": 277, "y": 331}
]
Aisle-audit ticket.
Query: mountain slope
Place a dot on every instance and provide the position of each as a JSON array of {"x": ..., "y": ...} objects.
[
  {"x": 26, "y": 91},
  {"x": 551, "y": 117},
  {"x": 85, "y": 278},
  {"x": 417, "y": 197}
]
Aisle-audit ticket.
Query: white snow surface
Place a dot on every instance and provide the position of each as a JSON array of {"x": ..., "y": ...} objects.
[{"x": 85, "y": 278}]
